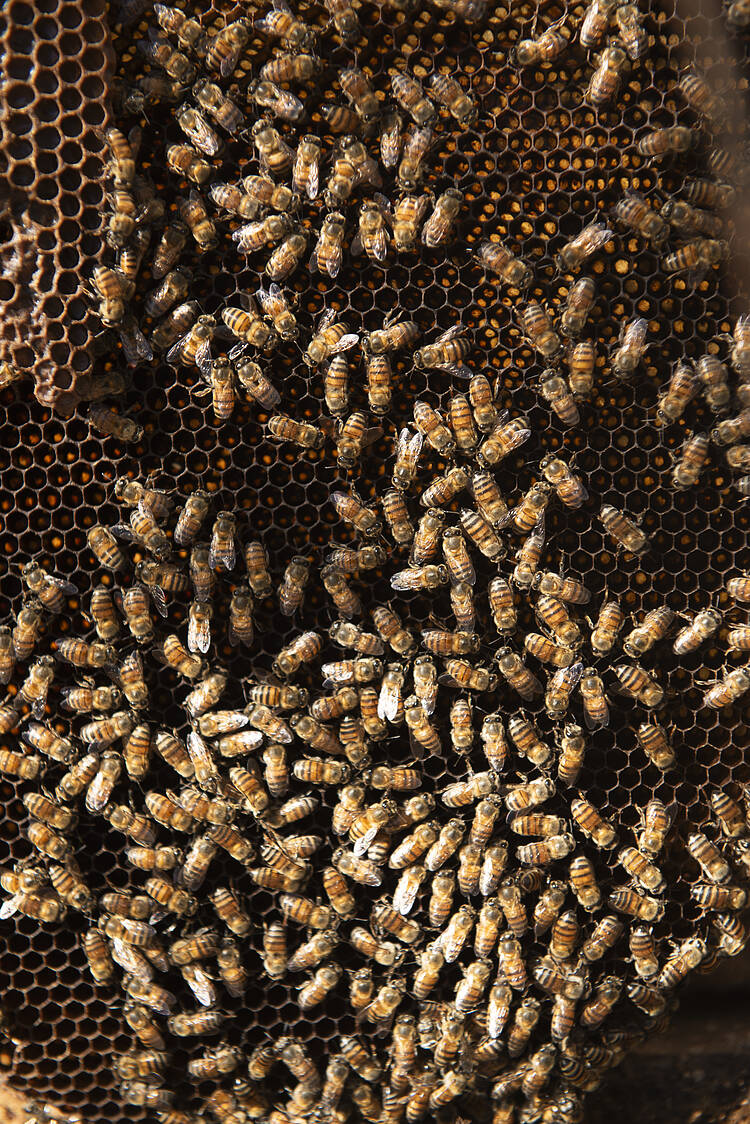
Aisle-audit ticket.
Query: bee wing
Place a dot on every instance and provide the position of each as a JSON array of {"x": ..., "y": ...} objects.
[
  {"x": 636, "y": 332},
  {"x": 8, "y": 908},
  {"x": 219, "y": 555},
  {"x": 199, "y": 633},
  {"x": 362, "y": 844},
  {"x": 413, "y": 448},
  {"x": 97, "y": 794},
  {"x": 405, "y": 894},
  {"x": 345, "y": 343},
  {"x": 63, "y": 586},
  {"x": 265, "y": 299},
  {"x": 379, "y": 247},
  {"x": 313, "y": 178},
  {"x": 371, "y": 435},
  {"x": 201, "y": 985},
  {"x": 327, "y": 316},
  {"x": 356, "y": 245},
  {"x": 389, "y": 700},
  {"x": 450, "y": 334},
  {"x": 458, "y": 370},
  {"x": 429, "y": 697},
  {"x": 125, "y": 532},
  {"x": 174, "y": 355},
  {"x": 568, "y": 676},
  {"x": 335, "y": 674},
  {"x": 159, "y": 599},
  {"x": 401, "y": 580}
]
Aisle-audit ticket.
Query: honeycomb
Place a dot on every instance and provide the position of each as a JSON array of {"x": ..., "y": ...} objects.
[
  {"x": 57, "y": 66},
  {"x": 541, "y": 165}
]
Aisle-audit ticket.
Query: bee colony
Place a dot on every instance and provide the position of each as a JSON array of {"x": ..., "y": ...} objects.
[{"x": 376, "y": 630}]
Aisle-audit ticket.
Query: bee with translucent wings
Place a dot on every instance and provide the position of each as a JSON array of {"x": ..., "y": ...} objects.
[
  {"x": 220, "y": 376},
  {"x": 446, "y": 352},
  {"x": 276, "y": 308},
  {"x": 329, "y": 250},
  {"x": 372, "y": 236}
]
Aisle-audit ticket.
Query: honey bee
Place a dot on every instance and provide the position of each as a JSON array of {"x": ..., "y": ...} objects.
[
  {"x": 173, "y": 62},
  {"x": 632, "y": 35},
  {"x": 27, "y": 631},
  {"x": 196, "y": 218},
  {"x": 582, "y": 247},
  {"x": 35, "y": 687},
  {"x": 410, "y": 96},
  {"x": 328, "y": 252},
  {"x": 104, "y": 546},
  {"x": 653, "y": 628},
  {"x": 98, "y": 957},
  {"x": 529, "y": 509},
  {"x": 75, "y": 781},
  {"x": 686, "y": 957},
  {"x": 46, "y": 841},
  {"x": 196, "y": 340},
  {"x": 526, "y": 739},
  {"x": 595, "y": 706},
  {"x": 185, "y": 162},
  {"x": 595, "y": 23},
  {"x": 485, "y": 413},
  {"x": 503, "y": 440},
  {"x": 555, "y": 390},
  {"x": 250, "y": 376},
  {"x": 623, "y": 531},
  {"x": 592, "y": 824},
  {"x": 643, "y": 871},
  {"x": 730, "y": 431},
  {"x": 714, "y": 897},
  {"x": 438, "y": 229},
  {"x": 515, "y": 672},
  {"x": 372, "y": 236},
  {"x": 542, "y": 51},
  {"x": 280, "y": 103},
  {"x": 609, "y": 622},
  {"x": 408, "y": 214},
  {"x": 673, "y": 141},
  {"x": 135, "y": 606},
  {"x": 168, "y": 812},
  {"x": 537, "y": 327},
  {"x": 639, "y": 684},
  {"x": 217, "y": 105},
  {"x": 416, "y": 146},
  {"x": 176, "y": 656},
  {"x": 581, "y": 297},
  {"x": 198, "y": 859},
  {"x": 696, "y": 257},
  {"x": 50, "y": 590},
  {"x": 112, "y": 424},
  {"x": 285, "y": 259},
  {"x": 46, "y": 810},
  {"x": 728, "y": 812},
  {"x": 445, "y": 845},
  {"x": 359, "y": 94},
  {"x": 249, "y": 238},
  {"x": 607, "y": 78},
  {"x": 302, "y": 649},
  {"x": 559, "y": 689},
  {"x": 143, "y": 528},
  {"x": 546, "y": 650},
  {"x": 494, "y": 745},
  {"x": 708, "y": 857}
]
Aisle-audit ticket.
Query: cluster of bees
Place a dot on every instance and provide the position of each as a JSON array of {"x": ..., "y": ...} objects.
[
  {"x": 489, "y": 953},
  {"x": 300, "y": 206},
  {"x": 498, "y": 933}
]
